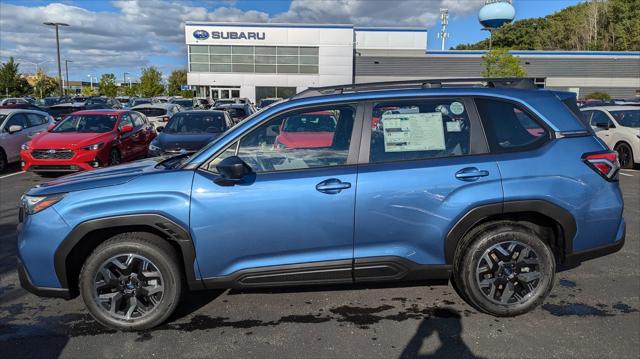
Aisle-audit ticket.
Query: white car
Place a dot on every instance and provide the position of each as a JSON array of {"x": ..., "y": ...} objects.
[
  {"x": 18, "y": 126},
  {"x": 619, "y": 128},
  {"x": 158, "y": 113}
]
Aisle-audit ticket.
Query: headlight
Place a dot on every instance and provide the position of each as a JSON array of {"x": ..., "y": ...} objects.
[
  {"x": 153, "y": 147},
  {"x": 35, "y": 204},
  {"x": 25, "y": 147},
  {"x": 94, "y": 147}
]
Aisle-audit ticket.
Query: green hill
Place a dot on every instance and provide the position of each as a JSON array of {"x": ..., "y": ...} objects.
[{"x": 597, "y": 25}]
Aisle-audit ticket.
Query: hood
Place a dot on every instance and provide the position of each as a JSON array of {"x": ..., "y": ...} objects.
[
  {"x": 109, "y": 176},
  {"x": 305, "y": 139},
  {"x": 69, "y": 140},
  {"x": 186, "y": 141}
]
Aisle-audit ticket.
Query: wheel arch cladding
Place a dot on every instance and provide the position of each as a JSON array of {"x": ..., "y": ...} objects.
[
  {"x": 76, "y": 247},
  {"x": 538, "y": 213}
]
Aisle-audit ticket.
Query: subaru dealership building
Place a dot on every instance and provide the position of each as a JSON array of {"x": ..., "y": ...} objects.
[{"x": 277, "y": 60}]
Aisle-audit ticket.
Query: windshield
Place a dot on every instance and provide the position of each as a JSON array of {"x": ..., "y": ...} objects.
[
  {"x": 152, "y": 112},
  {"x": 47, "y": 101},
  {"x": 140, "y": 102},
  {"x": 87, "y": 124},
  {"x": 310, "y": 122},
  {"x": 184, "y": 103},
  {"x": 2, "y": 118},
  {"x": 627, "y": 118},
  {"x": 202, "y": 122}
]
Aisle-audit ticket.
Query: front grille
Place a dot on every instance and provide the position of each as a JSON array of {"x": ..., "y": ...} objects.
[
  {"x": 52, "y": 154},
  {"x": 54, "y": 168}
]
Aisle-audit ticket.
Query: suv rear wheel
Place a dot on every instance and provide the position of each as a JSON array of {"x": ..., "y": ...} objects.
[
  {"x": 504, "y": 269},
  {"x": 131, "y": 281}
]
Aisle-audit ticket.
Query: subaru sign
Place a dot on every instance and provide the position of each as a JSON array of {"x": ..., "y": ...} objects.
[
  {"x": 237, "y": 35},
  {"x": 201, "y": 34},
  {"x": 184, "y": 87}
]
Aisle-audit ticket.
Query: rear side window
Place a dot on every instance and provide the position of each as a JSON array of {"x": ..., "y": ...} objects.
[
  {"x": 419, "y": 129},
  {"x": 35, "y": 119},
  {"x": 509, "y": 127},
  {"x": 152, "y": 112}
]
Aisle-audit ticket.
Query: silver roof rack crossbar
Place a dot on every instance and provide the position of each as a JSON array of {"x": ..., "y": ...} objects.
[{"x": 506, "y": 82}]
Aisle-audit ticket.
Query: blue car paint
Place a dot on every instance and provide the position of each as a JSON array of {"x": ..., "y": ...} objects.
[{"x": 405, "y": 213}]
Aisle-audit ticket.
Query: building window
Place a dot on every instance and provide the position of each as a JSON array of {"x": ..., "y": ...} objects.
[{"x": 253, "y": 59}]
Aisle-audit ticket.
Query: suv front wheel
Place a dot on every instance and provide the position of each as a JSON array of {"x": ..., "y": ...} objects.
[
  {"x": 504, "y": 269},
  {"x": 132, "y": 281}
]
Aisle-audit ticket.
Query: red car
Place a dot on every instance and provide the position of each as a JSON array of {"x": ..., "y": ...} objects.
[
  {"x": 89, "y": 139},
  {"x": 307, "y": 130}
]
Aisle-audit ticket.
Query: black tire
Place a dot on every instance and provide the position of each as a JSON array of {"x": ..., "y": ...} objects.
[
  {"x": 3, "y": 161},
  {"x": 114, "y": 157},
  {"x": 625, "y": 155},
  {"x": 163, "y": 272},
  {"x": 493, "y": 253}
]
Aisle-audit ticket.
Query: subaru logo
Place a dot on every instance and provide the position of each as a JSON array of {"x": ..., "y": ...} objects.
[
  {"x": 51, "y": 152},
  {"x": 201, "y": 34}
]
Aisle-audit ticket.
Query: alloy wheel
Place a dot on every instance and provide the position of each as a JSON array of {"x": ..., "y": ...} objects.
[
  {"x": 114, "y": 158},
  {"x": 128, "y": 287},
  {"x": 624, "y": 155},
  {"x": 509, "y": 273}
]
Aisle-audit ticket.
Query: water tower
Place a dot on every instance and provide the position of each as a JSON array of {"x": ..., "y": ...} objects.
[{"x": 494, "y": 14}]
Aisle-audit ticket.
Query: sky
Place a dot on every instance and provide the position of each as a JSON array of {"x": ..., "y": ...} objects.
[{"x": 126, "y": 35}]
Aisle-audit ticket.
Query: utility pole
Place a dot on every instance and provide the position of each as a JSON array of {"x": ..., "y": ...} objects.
[
  {"x": 444, "y": 21},
  {"x": 57, "y": 25},
  {"x": 66, "y": 69}
]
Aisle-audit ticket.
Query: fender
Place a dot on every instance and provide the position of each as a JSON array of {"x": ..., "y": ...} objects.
[
  {"x": 477, "y": 214},
  {"x": 162, "y": 224}
]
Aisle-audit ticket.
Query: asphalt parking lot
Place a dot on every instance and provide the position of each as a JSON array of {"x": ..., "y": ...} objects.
[{"x": 593, "y": 311}]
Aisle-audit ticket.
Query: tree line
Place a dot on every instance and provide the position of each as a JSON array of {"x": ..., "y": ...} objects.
[
  {"x": 597, "y": 25},
  {"x": 15, "y": 84}
]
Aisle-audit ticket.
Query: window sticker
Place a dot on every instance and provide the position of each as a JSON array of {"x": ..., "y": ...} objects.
[
  {"x": 456, "y": 108},
  {"x": 454, "y": 126},
  {"x": 413, "y": 132}
]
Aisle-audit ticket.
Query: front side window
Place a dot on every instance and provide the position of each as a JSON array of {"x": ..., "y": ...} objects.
[
  {"x": 600, "y": 119},
  {"x": 627, "y": 118},
  {"x": 299, "y": 140},
  {"x": 87, "y": 124},
  {"x": 35, "y": 119},
  {"x": 17, "y": 119},
  {"x": 125, "y": 120},
  {"x": 419, "y": 129},
  {"x": 509, "y": 127}
]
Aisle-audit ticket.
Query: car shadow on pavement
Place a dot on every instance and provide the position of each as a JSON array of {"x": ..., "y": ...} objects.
[
  {"x": 447, "y": 325},
  {"x": 192, "y": 302}
]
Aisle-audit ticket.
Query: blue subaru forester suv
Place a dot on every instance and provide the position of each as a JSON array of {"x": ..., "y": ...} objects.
[{"x": 494, "y": 186}]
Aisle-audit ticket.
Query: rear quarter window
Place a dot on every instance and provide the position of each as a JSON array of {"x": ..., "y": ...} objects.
[{"x": 509, "y": 127}]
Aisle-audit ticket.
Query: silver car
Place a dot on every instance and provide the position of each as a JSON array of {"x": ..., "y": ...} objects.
[
  {"x": 17, "y": 127},
  {"x": 158, "y": 113}
]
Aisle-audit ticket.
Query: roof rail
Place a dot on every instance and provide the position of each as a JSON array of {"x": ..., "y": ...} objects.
[{"x": 506, "y": 82}]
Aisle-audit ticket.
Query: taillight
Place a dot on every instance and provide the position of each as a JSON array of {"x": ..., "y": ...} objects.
[
  {"x": 605, "y": 163},
  {"x": 164, "y": 119}
]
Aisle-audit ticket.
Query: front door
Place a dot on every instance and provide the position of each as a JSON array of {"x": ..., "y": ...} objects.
[
  {"x": 422, "y": 171},
  {"x": 292, "y": 222}
]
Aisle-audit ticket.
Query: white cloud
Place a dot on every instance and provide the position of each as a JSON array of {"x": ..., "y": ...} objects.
[{"x": 145, "y": 32}]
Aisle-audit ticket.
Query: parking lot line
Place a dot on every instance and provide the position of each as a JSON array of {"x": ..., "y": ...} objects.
[
  {"x": 11, "y": 174},
  {"x": 626, "y": 174}
]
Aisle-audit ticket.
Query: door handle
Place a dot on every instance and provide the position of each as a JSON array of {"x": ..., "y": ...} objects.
[
  {"x": 332, "y": 186},
  {"x": 471, "y": 174}
]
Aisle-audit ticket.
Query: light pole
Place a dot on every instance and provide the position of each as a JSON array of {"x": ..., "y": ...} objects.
[
  {"x": 57, "y": 25},
  {"x": 66, "y": 70},
  {"x": 91, "y": 79}
]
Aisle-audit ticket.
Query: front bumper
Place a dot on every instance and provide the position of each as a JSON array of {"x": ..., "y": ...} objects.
[
  {"x": 25, "y": 282},
  {"x": 578, "y": 257},
  {"x": 81, "y": 161}
]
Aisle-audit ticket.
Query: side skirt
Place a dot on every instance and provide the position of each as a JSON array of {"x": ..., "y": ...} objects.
[{"x": 361, "y": 270}]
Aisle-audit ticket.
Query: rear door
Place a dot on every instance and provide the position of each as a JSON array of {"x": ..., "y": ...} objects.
[
  {"x": 16, "y": 139},
  {"x": 424, "y": 164}
]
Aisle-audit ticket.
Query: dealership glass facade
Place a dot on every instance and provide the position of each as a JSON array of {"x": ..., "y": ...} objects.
[{"x": 253, "y": 59}]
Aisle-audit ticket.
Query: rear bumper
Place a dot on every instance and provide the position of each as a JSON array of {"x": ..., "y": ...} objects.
[
  {"x": 25, "y": 282},
  {"x": 591, "y": 253}
]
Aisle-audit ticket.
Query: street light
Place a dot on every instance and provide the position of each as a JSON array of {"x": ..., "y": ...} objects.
[
  {"x": 36, "y": 64},
  {"x": 66, "y": 70},
  {"x": 57, "y": 25}
]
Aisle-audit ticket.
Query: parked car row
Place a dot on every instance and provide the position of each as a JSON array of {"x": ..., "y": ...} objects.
[{"x": 87, "y": 133}]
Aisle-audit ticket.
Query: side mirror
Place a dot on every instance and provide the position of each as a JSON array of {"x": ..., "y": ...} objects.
[
  {"x": 126, "y": 128},
  {"x": 159, "y": 128},
  {"x": 603, "y": 125},
  {"x": 15, "y": 128},
  {"x": 51, "y": 127},
  {"x": 233, "y": 168}
]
